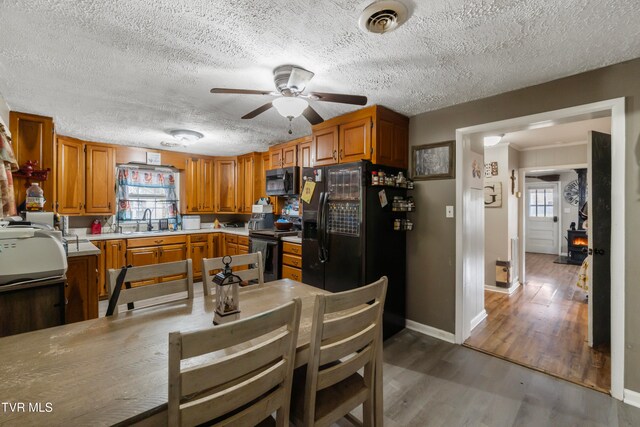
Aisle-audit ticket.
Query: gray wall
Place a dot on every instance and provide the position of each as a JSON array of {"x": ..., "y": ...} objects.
[
  {"x": 4, "y": 111},
  {"x": 431, "y": 246},
  {"x": 556, "y": 156}
]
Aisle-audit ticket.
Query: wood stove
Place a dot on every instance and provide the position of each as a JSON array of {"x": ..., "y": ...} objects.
[{"x": 577, "y": 244}]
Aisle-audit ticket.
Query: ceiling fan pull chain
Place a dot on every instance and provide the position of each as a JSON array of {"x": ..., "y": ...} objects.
[{"x": 290, "y": 120}]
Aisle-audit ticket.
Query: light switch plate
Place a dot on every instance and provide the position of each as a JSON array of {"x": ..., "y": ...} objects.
[{"x": 449, "y": 212}]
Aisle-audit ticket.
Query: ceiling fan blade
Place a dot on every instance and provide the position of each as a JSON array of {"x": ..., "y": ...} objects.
[
  {"x": 258, "y": 111},
  {"x": 312, "y": 116},
  {"x": 339, "y": 97},
  {"x": 241, "y": 91},
  {"x": 299, "y": 78}
]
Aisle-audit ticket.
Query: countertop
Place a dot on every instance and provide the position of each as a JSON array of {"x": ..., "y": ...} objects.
[
  {"x": 111, "y": 236},
  {"x": 82, "y": 248},
  {"x": 292, "y": 239}
]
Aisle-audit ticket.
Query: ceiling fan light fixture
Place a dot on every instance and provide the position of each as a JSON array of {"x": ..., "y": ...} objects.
[
  {"x": 186, "y": 136},
  {"x": 290, "y": 107}
]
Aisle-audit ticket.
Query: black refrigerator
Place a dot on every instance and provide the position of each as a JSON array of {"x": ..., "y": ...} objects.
[{"x": 348, "y": 237}]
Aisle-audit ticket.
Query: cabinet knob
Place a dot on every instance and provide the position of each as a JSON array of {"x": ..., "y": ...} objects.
[
  {"x": 334, "y": 155},
  {"x": 109, "y": 205},
  {"x": 341, "y": 156}
]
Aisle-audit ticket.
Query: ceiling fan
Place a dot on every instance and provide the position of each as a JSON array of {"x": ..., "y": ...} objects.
[{"x": 291, "y": 82}]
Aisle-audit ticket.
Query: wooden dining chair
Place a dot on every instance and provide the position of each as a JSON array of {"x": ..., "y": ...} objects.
[
  {"x": 254, "y": 270},
  {"x": 345, "y": 336},
  {"x": 245, "y": 384},
  {"x": 172, "y": 278}
]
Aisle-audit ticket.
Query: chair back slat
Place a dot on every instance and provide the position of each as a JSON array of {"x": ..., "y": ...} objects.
[
  {"x": 213, "y": 406},
  {"x": 353, "y": 298},
  {"x": 350, "y": 323},
  {"x": 334, "y": 374},
  {"x": 234, "y": 366},
  {"x": 155, "y": 271},
  {"x": 343, "y": 348},
  {"x": 255, "y": 271},
  {"x": 249, "y": 380}
]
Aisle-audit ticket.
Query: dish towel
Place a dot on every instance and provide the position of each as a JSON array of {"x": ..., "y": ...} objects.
[
  {"x": 8, "y": 163},
  {"x": 262, "y": 247}
]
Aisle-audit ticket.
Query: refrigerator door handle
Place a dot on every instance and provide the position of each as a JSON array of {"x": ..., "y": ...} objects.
[
  {"x": 320, "y": 230},
  {"x": 325, "y": 229}
]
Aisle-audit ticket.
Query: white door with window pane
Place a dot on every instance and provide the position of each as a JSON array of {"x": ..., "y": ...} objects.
[{"x": 542, "y": 232}]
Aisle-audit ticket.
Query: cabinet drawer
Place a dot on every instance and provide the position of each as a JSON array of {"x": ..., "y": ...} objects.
[
  {"x": 291, "y": 273},
  {"x": 155, "y": 241},
  {"x": 292, "y": 260},
  {"x": 198, "y": 238},
  {"x": 243, "y": 240},
  {"x": 231, "y": 238},
  {"x": 291, "y": 248}
]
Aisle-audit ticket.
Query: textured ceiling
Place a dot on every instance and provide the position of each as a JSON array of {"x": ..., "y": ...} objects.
[{"x": 128, "y": 71}]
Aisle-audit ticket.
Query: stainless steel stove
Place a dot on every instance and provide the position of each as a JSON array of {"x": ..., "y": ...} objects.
[{"x": 269, "y": 244}]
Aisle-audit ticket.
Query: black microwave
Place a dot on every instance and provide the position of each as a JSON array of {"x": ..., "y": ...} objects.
[{"x": 282, "y": 182}]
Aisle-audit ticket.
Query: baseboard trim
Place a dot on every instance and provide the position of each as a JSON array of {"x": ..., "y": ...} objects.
[
  {"x": 631, "y": 398},
  {"x": 431, "y": 331},
  {"x": 479, "y": 318},
  {"x": 510, "y": 290}
]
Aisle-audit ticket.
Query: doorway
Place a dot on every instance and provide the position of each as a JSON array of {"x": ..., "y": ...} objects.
[{"x": 469, "y": 312}]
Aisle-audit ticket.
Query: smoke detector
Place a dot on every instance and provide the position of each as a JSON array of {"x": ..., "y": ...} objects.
[{"x": 383, "y": 16}]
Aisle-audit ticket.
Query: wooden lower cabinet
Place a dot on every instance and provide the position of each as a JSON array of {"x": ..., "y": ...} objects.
[
  {"x": 103, "y": 292},
  {"x": 112, "y": 256},
  {"x": 81, "y": 291},
  {"x": 292, "y": 261},
  {"x": 198, "y": 249},
  {"x": 172, "y": 253},
  {"x": 138, "y": 257}
]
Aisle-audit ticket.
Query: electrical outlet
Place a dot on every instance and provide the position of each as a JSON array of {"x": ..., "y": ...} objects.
[{"x": 449, "y": 212}]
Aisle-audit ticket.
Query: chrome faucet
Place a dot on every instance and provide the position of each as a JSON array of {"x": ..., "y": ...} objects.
[{"x": 144, "y": 216}]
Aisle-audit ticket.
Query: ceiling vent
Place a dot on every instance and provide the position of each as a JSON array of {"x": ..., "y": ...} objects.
[{"x": 382, "y": 16}]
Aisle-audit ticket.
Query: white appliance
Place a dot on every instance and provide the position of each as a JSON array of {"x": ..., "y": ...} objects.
[
  {"x": 28, "y": 254},
  {"x": 191, "y": 222},
  {"x": 40, "y": 218}
]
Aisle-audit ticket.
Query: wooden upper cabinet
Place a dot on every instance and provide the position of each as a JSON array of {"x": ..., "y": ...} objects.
[
  {"x": 199, "y": 186},
  {"x": 374, "y": 133},
  {"x": 305, "y": 159},
  {"x": 225, "y": 196},
  {"x": 290, "y": 155},
  {"x": 284, "y": 155},
  {"x": 324, "y": 146},
  {"x": 250, "y": 178},
  {"x": 355, "y": 141},
  {"x": 206, "y": 184},
  {"x": 33, "y": 139},
  {"x": 70, "y": 177},
  {"x": 100, "y": 179}
]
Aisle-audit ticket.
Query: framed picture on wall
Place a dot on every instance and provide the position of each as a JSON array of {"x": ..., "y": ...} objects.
[{"x": 433, "y": 161}]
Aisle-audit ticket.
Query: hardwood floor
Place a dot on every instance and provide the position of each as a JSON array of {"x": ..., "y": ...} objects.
[
  {"x": 428, "y": 382},
  {"x": 543, "y": 325}
]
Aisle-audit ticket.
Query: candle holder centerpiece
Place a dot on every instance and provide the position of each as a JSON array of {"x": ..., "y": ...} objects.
[{"x": 227, "y": 294}]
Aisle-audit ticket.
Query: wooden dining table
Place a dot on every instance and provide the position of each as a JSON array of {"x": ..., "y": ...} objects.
[{"x": 113, "y": 370}]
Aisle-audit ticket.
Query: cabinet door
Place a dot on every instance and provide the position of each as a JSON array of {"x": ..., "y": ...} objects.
[
  {"x": 226, "y": 186},
  {"x": 81, "y": 291},
  {"x": 324, "y": 146},
  {"x": 103, "y": 292},
  {"x": 355, "y": 141},
  {"x": 275, "y": 158},
  {"x": 231, "y": 249},
  {"x": 247, "y": 186},
  {"x": 70, "y": 177},
  {"x": 205, "y": 185},
  {"x": 290, "y": 156},
  {"x": 100, "y": 180},
  {"x": 191, "y": 186},
  {"x": 392, "y": 144},
  {"x": 304, "y": 155},
  {"x": 115, "y": 257},
  {"x": 138, "y": 257},
  {"x": 33, "y": 139},
  {"x": 214, "y": 246},
  {"x": 199, "y": 251},
  {"x": 172, "y": 253}
]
